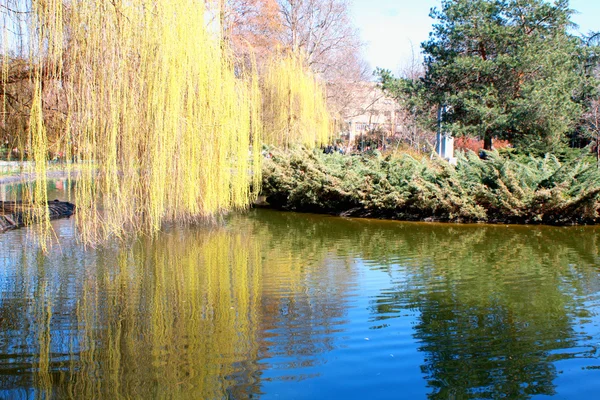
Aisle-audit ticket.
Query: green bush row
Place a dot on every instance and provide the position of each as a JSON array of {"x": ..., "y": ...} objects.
[{"x": 497, "y": 189}]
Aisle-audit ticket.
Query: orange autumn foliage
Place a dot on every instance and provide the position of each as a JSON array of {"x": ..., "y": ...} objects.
[
  {"x": 473, "y": 144},
  {"x": 253, "y": 26}
]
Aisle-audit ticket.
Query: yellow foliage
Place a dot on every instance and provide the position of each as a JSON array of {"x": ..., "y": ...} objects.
[
  {"x": 200, "y": 303},
  {"x": 37, "y": 194},
  {"x": 176, "y": 316},
  {"x": 294, "y": 104},
  {"x": 148, "y": 103},
  {"x": 157, "y": 116}
]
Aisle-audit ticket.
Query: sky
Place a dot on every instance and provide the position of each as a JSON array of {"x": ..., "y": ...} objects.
[{"x": 389, "y": 27}]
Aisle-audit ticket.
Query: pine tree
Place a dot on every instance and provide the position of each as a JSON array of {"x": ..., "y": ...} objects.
[{"x": 507, "y": 69}]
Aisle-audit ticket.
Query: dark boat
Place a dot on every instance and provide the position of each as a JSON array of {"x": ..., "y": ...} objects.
[{"x": 13, "y": 213}]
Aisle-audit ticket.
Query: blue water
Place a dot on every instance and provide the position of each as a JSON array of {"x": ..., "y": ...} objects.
[{"x": 297, "y": 306}]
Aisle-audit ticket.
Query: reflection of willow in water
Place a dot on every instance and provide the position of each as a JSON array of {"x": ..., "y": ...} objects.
[
  {"x": 192, "y": 314},
  {"x": 168, "y": 319},
  {"x": 304, "y": 291},
  {"x": 495, "y": 303},
  {"x": 204, "y": 314},
  {"x": 179, "y": 314}
]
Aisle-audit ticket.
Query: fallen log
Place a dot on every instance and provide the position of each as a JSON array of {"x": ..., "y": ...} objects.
[{"x": 13, "y": 213}]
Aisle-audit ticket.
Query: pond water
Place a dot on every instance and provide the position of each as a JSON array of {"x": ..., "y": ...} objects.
[
  {"x": 57, "y": 189},
  {"x": 296, "y": 306}
]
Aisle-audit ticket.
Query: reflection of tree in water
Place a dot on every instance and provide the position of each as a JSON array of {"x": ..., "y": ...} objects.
[
  {"x": 304, "y": 289},
  {"x": 202, "y": 314},
  {"x": 190, "y": 315},
  {"x": 494, "y": 302},
  {"x": 170, "y": 318}
]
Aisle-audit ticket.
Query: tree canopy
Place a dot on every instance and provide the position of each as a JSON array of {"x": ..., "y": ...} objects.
[{"x": 507, "y": 69}]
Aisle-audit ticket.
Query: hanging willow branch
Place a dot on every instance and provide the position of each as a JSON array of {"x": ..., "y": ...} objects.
[
  {"x": 294, "y": 107},
  {"x": 144, "y": 99},
  {"x": 154, "y": 115}
]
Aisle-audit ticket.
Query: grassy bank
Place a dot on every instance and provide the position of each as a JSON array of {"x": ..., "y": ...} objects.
[{"x": 498, "y": 189}]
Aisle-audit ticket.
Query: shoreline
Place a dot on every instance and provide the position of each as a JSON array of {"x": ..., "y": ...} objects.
[
  {"x": 494, "y": 191},
  {"x": 360, "y": 213}
]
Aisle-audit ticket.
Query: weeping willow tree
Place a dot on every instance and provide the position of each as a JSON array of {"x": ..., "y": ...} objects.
[
  {"x": 145, "y": 99},
  {"x": 294, "y": 104},
  {"x": 157, "y": 116}
]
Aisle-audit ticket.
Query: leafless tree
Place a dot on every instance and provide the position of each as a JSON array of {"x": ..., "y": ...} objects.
[
  {"x": 251, "y": 27},
  {"x": 412, "y": 68},
  {"x": 410, "y": 131},
  {"x": 320, "y": 29},
  {"x": 324, "y": 31}
]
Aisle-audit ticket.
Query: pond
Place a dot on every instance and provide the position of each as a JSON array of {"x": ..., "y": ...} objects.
[
  {"x": 299, "y": 306},
  {"x": 57, "y": 189}
]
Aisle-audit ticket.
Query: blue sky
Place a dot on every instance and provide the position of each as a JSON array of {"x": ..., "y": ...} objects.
[{"x": 389, "y": 26}]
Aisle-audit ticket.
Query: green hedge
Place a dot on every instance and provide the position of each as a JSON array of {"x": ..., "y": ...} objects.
[{"x": 536, "y": 190}]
